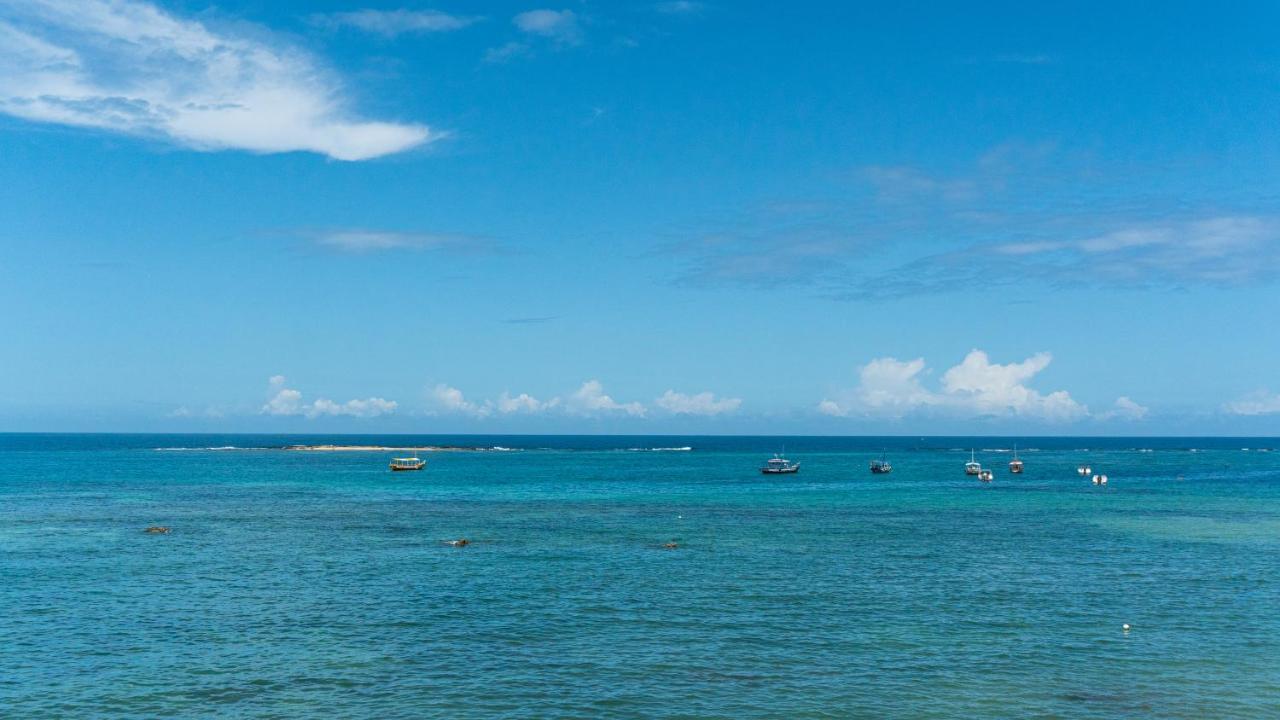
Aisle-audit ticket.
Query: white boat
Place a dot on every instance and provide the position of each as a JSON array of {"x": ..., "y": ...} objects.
[
  {"x": 986, "y": 475},
  {"x": 778, "y": 465},
  {"x": 1015, "y": 465},
  {"x": 1084, "y": 470},
  {"x": 408, "y": 463},
  {"x": 973, "y": 467}
]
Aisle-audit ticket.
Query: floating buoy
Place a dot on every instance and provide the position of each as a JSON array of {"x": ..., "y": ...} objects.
[{"x": 1126, "y": 627}]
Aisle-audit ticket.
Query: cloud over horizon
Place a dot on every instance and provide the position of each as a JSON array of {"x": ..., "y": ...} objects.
[
  {"x": 283, "y": 401},
  {"x": 131, "y": 67},
  {"x": 1260, "y": 402},
  {"x": 703, "y": 403},
  {"x": 976, "y": 387}
]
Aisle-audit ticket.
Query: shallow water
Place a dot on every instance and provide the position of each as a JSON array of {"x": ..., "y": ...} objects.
[{"x": 299, "y": 583}]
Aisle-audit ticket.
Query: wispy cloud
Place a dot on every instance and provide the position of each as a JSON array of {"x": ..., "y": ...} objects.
[
  {"x": 976, "y": 387},
  {"x": 680, "y": 7},
  {"x": 1260, "y": 402},
  {"x": 561, "y": 26},
  {"x": 1228, "y": 251},
  {"x": 703, "y": 403},
  {"x": 283, "y": 401},
  {"x": 355, "y": 240},
  {"x": 1024, "y": 58},
  {"x": 391, "y": 23},
  {"x": 533, "y": 320},
  {"x": 131, "y": 67}
]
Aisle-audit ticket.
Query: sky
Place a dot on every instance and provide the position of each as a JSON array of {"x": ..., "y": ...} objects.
[{"x": 648, "y": 217}]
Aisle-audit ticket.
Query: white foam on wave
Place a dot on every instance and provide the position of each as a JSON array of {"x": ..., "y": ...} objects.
[{"x": 661, "y": 449}]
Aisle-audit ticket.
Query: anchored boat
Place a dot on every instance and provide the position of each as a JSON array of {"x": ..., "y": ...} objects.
[
  {"x": 881, "y": 466},
  {"x": 778, "y": 465},
  {"x": 408, "y": 463},
  {"x": 1015, "y": 465},
  {"x": 973, "y": 467}
]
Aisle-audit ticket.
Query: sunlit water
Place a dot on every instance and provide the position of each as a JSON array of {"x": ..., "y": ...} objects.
[{"x": 319, "y": 584}]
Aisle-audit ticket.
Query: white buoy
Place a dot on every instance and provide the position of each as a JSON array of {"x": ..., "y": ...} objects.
[{"x": 1126, "y": 627}]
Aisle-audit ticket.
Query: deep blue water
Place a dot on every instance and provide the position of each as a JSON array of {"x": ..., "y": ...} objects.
[{"x": 318, "y": 584}]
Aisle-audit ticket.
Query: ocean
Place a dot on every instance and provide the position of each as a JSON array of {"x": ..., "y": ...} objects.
[{"x": 319, "y": 584}]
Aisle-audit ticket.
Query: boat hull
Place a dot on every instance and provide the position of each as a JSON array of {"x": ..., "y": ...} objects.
[
  {"x": 407, "y": 468},
  {"x": 780, "y": 471}
]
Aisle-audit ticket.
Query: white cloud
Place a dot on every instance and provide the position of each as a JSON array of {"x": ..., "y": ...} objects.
[
  {"x": 991, "y": 389},
  {"x": 976, "y": 387},
  {"x": 451, "y": 399},
  {"x": 355, "y": 240},
  {"x": 704, "y": 403},
  {"x": 523, "y": 403},
  {"x": 679, "y": 7},
  {"x": 590, "y": 399},
  {"x": 506, "y": 52},
  {"x": 128, "y": 66},
  {"x": 288, "y": 402},
  {"x": 396, "y": 22},
  {"x": 1257, "y": 403},
  {"x": 448, "y": 399},
  {"x": 831, "y": 407},
  {"x": 1125, "y": 409},
  {"x": 559, "y": 25}
]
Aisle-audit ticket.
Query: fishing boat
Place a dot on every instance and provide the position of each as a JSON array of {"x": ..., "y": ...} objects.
[
  {"x": 1015, "y": 465},
  {"x": 986, "y": 475},
  {"x": 973, "y": 467},
  {"x": 778, "y": 465},
  {"x": 881, "y": 466},
  {"x": 408, "y": 463}
]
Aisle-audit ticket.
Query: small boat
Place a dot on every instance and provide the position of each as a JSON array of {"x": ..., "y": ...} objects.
[
  {"x": 986, "y": 475},
  {"x": 881, "y": 466},
  {"x": 408, "y": 463},
  {"x": 1015, "y": 465},
  {"x": 778, "y": 465},
  {"x": 1099, "y": 479},
  {"x": 973, "y": 467},
  {"x": 1084, "y": 470}
]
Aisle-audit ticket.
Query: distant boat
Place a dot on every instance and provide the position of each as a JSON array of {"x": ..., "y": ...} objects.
[
  {"x": 986, "y": 475},
  {"x": 881, "y": 466},
  {"x": 1084, "y": 470},
  {"x": 778, "y": 465},
  {"x": 408, "y": 463},
  {"x": 1015, "y": 465},
  {"x": 973, "y": 467}
]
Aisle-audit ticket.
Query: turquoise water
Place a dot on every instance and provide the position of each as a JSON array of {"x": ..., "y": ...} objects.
[{"x": 318, "y": 584}]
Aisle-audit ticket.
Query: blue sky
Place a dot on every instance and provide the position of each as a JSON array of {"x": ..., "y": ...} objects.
[{"x": 642, "y": 217}]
